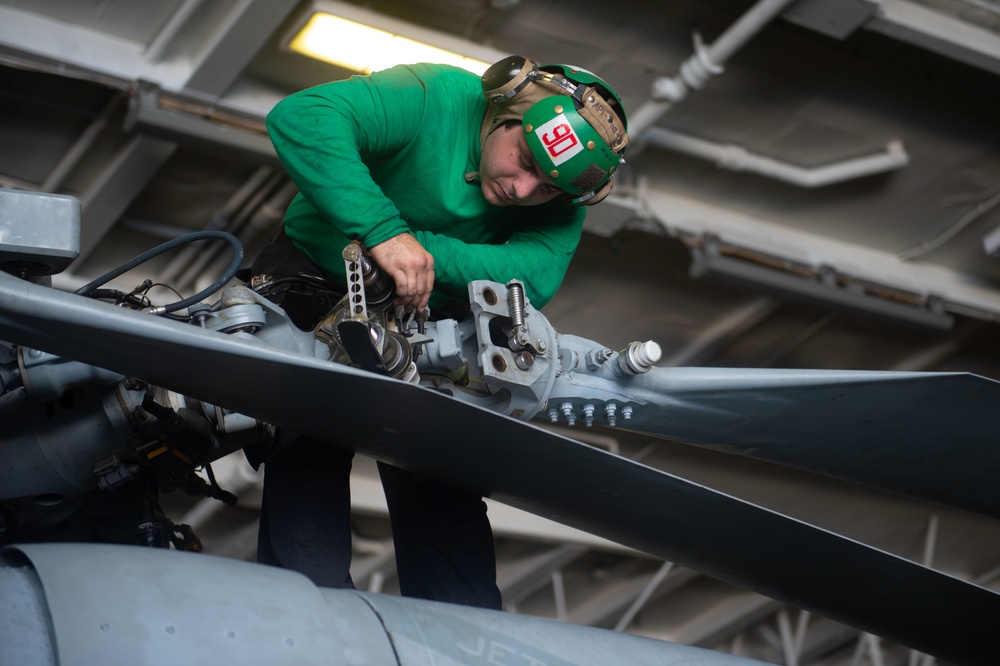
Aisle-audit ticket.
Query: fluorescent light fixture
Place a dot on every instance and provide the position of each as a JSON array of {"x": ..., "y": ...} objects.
[{"x": 364, "y": 48}]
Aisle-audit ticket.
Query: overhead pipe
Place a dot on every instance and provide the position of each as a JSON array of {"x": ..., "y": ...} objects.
[
  {"x": 706, "y": 62},
  {"x": 736, "y": 158}
]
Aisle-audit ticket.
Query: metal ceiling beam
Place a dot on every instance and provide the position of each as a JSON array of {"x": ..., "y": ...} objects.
[
  {"x": 202, "y": 124},
  {"x": 83, "y": 143},
  {"x": 832, "y": 261},
  {"x": 234, "y": 42},
  {"x": 531, "y": 574},
  {"x": 735, "y": 614},
  {"x": 112, "y": 190},
  {"x": 928, "y": 27},
  {"x": 824, "y": 637},
  {"x": 934, "y": 355},
  {"x": 370, "y": 573},
  {"x": 644, "y": 596},
  {"x": 239, "y": 35},
  {"x": 935, "y": 31},
  {"x": 797, "y": 339},
  {"x": 709, "y": 262},
  {"x": 723, "y": 332},
  {"x": 609, "y": 603},
  {"x": 45, "y": 40}
]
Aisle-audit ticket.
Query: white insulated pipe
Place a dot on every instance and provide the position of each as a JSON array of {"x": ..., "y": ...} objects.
[
  {"x": 704, "y": 63},
  {"x": 736, "y": 158}
]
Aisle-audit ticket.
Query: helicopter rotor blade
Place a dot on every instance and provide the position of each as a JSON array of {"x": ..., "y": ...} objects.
[
  {"x": 927, "y": 435},
  {"x": 515, "y": 462}
]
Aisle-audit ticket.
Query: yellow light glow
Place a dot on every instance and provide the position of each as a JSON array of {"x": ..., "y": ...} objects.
[{"x": 366, "y": 49}]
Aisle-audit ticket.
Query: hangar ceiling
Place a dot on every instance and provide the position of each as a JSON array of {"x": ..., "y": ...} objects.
[{"x": 812, "y": 184}]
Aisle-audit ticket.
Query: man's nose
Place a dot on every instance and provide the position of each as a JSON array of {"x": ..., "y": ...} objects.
[{"x": 524, "y": 186}]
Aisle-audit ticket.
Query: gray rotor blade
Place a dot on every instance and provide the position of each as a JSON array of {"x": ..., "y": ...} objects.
[
  {"x": 525, "y": 466},
  {"x": 928, "y": 435}
]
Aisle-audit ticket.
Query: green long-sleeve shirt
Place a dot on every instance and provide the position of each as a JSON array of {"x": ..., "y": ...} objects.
[{"x": 375, "y": 156}]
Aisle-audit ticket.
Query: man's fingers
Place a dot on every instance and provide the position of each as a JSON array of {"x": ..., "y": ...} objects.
[{"x": 412, "y": 294}]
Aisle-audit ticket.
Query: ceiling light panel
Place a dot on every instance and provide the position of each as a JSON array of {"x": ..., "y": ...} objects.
[{"x": 364, "y": 41}]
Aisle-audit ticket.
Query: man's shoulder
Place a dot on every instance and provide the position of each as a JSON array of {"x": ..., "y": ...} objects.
[
  {"x": 434, "y": 76},
  {"x": 447, "y": 91}
]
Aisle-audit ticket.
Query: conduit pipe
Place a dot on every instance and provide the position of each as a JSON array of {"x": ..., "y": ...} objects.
[
  {"x": 706, "y": 62},
  {"x": 736, "y": 158}
]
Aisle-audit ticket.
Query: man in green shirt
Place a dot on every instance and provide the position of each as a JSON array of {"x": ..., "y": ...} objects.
[{"x": 444, "y": 178}]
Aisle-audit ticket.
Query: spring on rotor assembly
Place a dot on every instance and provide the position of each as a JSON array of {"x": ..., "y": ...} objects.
[{"x": 515, "y": 302}]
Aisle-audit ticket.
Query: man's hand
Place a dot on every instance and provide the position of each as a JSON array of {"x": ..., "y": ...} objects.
[{"x": 410, "y": 265}]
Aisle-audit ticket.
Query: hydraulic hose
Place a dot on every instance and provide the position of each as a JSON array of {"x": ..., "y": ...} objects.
[
  {"x": 88, "y": 289},
  {"x": 315, "y": 281}
]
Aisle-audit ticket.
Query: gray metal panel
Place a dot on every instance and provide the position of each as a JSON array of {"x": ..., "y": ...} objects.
[
  {"x": 424, "y": 632},
  {"x": 25, "y": 634},
  {"x": 128, "y": 604},
  {"x": 39, "y": 229},
  {"x": 115, "y": 604}
]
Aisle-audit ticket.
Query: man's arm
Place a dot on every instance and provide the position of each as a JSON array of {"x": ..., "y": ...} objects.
[
  {"x": 538, "y": 254},
  {"x": 321, "y": 134}
]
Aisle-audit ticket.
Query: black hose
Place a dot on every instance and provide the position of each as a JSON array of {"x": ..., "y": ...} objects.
[
  {"x": 88, "y": 288},
  {"x": 315, "y": 281}
]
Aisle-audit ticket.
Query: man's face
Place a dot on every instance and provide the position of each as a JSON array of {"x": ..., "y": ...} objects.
[{"x": 509, "y": 174}]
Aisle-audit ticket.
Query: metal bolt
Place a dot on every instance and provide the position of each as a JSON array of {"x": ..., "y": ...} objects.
[
  {"x": 567, "y": 411},
  {"x": 588, "y": 415},
  {"x": 609, "y": 411},
  {"x": 626, "y": 412},
  {"x": 554, "y": 415},
  {"x": 598, "y": 357}
]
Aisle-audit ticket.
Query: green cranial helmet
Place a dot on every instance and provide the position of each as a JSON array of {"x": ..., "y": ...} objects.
[{"x": 573, "y": 122}]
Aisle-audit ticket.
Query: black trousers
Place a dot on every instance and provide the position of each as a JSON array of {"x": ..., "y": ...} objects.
[{"x": 442, "y": 536}]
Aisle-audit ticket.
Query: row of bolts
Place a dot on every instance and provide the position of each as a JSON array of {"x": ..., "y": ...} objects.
[{"x": 610, "y": 411}]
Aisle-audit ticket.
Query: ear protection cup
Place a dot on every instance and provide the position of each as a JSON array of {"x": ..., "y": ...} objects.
[
  {"x": 597, "y": 196},
  {"x": 504, "y": 80}
]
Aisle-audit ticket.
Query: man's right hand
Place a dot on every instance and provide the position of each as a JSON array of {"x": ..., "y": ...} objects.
[{"x": 410, "y": 266}]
